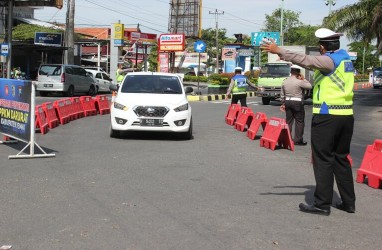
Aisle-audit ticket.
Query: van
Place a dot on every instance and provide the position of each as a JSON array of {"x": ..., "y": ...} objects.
[{"x": 69, "y": 79}]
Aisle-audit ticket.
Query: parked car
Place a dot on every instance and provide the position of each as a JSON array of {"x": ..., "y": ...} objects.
[
  {"x": 151, "y": 101},
  {"x": 69, "y": 79},
  {"x": 102, "y": 79}
]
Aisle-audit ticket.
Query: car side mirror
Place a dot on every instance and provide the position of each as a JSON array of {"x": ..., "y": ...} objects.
[
  {"x": 189, "y": 90},
  {"x": 113, "y": 87}
]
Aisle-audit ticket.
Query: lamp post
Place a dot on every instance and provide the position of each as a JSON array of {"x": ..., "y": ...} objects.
[{"x": 330, "y": 3}]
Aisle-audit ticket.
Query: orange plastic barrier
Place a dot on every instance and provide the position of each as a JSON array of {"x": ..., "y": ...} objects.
[
  {"x": 50, "y": 114},
  {"x": 276, "y": 132},
  {"x": 41, "y": 122},
  {"x": 102, "y": 104},
  {"x": 258, "y": 119},
  {"x": 61, "y": 111},
  {"x": 77, "y": 107},
  {"x": 88, "y": 105},
  {"x": 244, "y": 119},
  {"x": 232, "y": 112},
  {"x": 371, "y": 166}
]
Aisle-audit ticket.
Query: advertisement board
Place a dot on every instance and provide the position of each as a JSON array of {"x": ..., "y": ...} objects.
[
  {"x": 15, "y": 108},
  {"x": 48, "y": 39},
  {"x": 171, "y": 42},
  {"x": 228, "y": 54},
  {"x": 163, "y": 62},
  {"x": 257, "y": 37}
]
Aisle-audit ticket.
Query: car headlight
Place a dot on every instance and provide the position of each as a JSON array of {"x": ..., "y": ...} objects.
[
  {"x": 120, "y": 106},
  {"x": 181, "y": 108},
  {"x": 261, "y": 89}
]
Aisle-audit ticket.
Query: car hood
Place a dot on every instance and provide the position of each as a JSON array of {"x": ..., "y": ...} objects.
[{"x": 130, "y": 99}]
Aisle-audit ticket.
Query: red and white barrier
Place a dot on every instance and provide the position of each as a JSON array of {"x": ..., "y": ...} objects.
[
  {"x": 50, "y": 114},
  {"x": 276, "y": 132},
  {"x": 88, "y": 105},
  {"x": 61, "y": 111},
  {"x": 102, "y": 104},
  {"x": 258, "y": 119},
  {"x": 77, "y": 107},
  {"x": 371, "y": 166},
  {"x": 41, "y": 123},
  {"x": 232, "y": 112},
  {"x": 244, "y": 119}
]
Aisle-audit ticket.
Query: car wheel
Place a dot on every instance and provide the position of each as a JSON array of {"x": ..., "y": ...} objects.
[
  {"x": 92, "y": 90},
  {"x": 114, "y": 133},
  {"x": 43, "y": 93},
  {"x": 266, "y": 101},
  {"x": 187, "y": 135},
  {"x": 70, "y": 91}
]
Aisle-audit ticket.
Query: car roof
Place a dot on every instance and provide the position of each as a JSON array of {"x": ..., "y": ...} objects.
[{"x": 152, "y": 73}]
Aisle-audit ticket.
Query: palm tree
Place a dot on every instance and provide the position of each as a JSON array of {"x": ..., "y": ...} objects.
[{"x": 361, "y": 21}]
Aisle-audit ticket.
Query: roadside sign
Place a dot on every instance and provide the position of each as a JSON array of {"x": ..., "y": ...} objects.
[
  {"x": 257, "y": 37},
  {"x": 353, "y": 55},
  {"x": 171, "y": 42},
  {"x": 4, "y": 49},
  {"x": 200, "y": 46}
]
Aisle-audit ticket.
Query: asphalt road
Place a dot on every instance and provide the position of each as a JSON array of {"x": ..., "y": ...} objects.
[{"x": 220, "y": 190}]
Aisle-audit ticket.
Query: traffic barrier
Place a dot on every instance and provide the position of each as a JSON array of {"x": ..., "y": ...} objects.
[
  {"x": 371, "y": 166},
  {"x": 41, "y": 123},
  {"x": 70, "y": 109},
  {"x": 232, "y": 112},
  {"x": 276, "y": 132},
  {"x": 50, "y": 114},
  {"x": 355, "y": 86},
  {"x": 61, "y": 111},
  {"x": 88, "y": 105},
  {"x": 244, "y": 119},
  {"x": 102, "y": 104},
  {"x": 258, "y": 119},
  {"x": 77, "y": 107}
]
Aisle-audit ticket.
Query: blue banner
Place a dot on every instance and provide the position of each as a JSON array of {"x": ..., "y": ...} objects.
[
  {"x": 15, "y": 108},
  {"x": 48, "y": 39},
  {"x": 257, "y": 37}
]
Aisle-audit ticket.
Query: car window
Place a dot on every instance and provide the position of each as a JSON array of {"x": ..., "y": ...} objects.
[
  {"x": 155, "y": 84},
  {"x": 90, "y": 73},
  {"x": 69, "y": 70},
  {"x": 50, "y": 70},
  {"x": 106, "y": 77},
  {"x": 98, "y": 75},
  {"x": 76, "y": 71},
  {"x": 82, "y": 72}
]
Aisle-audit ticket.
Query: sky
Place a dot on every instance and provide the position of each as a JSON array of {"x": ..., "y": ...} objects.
[{"x": 240, "y": 16}]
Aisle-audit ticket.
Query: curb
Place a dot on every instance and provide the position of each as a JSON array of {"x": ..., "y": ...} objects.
[{"x": 196, "y": 98}]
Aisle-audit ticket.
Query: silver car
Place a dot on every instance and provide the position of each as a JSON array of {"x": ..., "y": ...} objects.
[{"x": 69, "y": 79}]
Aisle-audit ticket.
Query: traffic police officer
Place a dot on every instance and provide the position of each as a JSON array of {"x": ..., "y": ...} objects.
[
  {"x": 332, "y": 121},
  {"x": 120, "y": 73},
  {"x": 292, "y": 102},
  {"x": 238, "y": 87}
]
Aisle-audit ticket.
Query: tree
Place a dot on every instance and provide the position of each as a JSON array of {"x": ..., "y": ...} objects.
[
  {"x": 360, "y": 21},
  {"x": 301, "y": 35},
  {"x": 371, "y": 60},
  {"x": 27, "y": 31}
]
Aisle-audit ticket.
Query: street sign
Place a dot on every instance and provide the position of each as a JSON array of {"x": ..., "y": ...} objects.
[
  {"x": 200, "y": 46},
  {"x": 352, "y": 55},
  {"x": 4, "y": 49},
  {"x": 257, "y": 37}
]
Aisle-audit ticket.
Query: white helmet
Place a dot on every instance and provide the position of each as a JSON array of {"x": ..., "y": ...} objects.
[{"x": 238, "y": 69}]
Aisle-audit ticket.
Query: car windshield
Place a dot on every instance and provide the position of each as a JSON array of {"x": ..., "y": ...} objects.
[
  {"x": 155, "y": 84},
  {"x": 275, "y": 70},
  {"x": 50, "y": 70}
]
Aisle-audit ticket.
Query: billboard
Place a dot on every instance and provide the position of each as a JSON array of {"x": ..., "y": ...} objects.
[
  {"x": 48, "y": 39},
  {"x": 257, "y": 37},
  {"x": 49, "y": 3},
  {"x": 185, "y": 17},
  {"x": 171, "y": 42},
  {"x": 15, "y": 99},
  {"x": 228, "y": 54}
]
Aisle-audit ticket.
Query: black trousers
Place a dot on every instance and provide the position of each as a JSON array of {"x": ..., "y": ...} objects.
[
  {"x": 295, "y": 113},
  {"x": 331, "y": 138},
  {"x": 239, "y": 97}
]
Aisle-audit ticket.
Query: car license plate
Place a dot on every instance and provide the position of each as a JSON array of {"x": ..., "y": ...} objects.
[
  {"x": 48, "y": 85},
  {"x": 152, "y": 122}
]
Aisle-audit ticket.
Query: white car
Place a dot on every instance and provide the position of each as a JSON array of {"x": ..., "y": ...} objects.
[
  {"x": 151, "y": 101},
  {"x": 102, "y": 79}
]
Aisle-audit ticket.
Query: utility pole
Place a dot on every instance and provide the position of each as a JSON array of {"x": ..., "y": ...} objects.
[
  {"x": 69, "y": 35},
  {"x": 217, "y": 13},
  {"x": 281, "y": 23}
]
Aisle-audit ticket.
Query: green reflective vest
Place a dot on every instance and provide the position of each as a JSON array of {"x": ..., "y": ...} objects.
[
  {"x": 119, "y": 77},
  {"x": 240, "y": 84},
  {"x": 333, "y": 93}
]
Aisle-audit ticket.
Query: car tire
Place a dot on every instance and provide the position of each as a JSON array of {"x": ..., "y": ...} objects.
[
  {"x": 92, "y": 90},
  {"x": 114, "y": 133},
  {"x": 187, "y": 135},
  {"x": 266, "y": 100},
  {"x": 70, "y": 91}
]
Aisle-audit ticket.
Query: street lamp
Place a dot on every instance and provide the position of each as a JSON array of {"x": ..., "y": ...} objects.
[{"x": 330, "y": 3}]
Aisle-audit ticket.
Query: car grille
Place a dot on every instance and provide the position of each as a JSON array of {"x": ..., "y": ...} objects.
[{"x": 151, "y": 111}]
